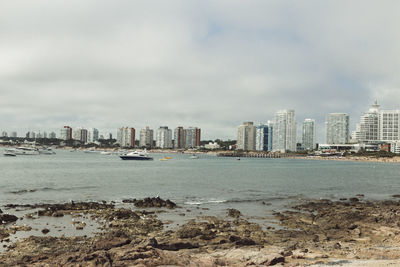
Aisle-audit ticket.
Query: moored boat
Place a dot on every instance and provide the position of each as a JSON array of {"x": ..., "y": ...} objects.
[{"x": 136, "y": 155}]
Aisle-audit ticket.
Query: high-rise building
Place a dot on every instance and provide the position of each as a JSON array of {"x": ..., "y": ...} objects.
[
  {"x": 52, "y": 135},
  {"x": 80, "y": 134},
  {"x": 164, "y": 137},
  {"x": 126, "y": 137},
  {"x": 146, "y": 137},
  {"x": 179, "y": 138},
  {"x": 32, "y": 135},
  {"x": 337, "y": 128},
  {"x": 389, "y": 125},
  {"x": 39, "y": 135},
  {"x": 66, "y": 133},
  {"x": 93, "y": 135},
  {"x": 192, "y": 137},
  {"x": 246, "y": 137},
  {"x": 284, "y": 132},
  {"x": 14, "y": 134},
  {"x": 4, "y": 134},
  {"x": 367, "y": 131},
  {"x": 264, "y": 136},
  {"x": 309, "y": 134}
]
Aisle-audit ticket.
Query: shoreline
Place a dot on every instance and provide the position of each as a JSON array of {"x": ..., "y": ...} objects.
[{"x": 316, "y": 232}]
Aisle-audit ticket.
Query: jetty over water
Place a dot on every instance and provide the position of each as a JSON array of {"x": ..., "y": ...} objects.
[{"x": 251, "y": 154}]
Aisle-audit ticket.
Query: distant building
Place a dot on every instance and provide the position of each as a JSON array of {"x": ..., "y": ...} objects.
[
  {"x": 264, "y": 137},
  {"x": 309, "y": 134},
  {"x": 284, "y": 132},
  {"x": 4, "y": 134},
  {"x": 31, "y": 135},
  {"x": 337, "y": 128},
  {"x": 52, "y": 135},
  {"x": 164, "y": 137},
  {"x": 192, "y": 137},
  {"x": 80, "y": 134},
  {"x": 367, "y": 131},
  {"x": 179, "y": 138},
  {"x": 92, "y": 135},
  {"x": 389, "y": 126},
  {"x": 246, "y": 136},
  {"x": 39, "y": 135},
  {"x": 126, "y": 137},
  {"x": 146, "y": 137},
  {"x": 66, "y": 133},
  {"x": 14, "y": 134},
  {"x": 212, "y": 146}
]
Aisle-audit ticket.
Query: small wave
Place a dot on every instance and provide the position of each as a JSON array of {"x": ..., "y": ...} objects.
[
  {"x": 25, "y": 191},
  {"x": 201, "y": 202}
]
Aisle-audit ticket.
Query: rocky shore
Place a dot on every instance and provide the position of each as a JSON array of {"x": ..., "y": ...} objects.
[{"x": 319, "y": 232}]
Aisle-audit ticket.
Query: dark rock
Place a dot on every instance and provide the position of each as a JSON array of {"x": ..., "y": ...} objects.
[
  {"x": 396, "y": 196},
  {"x": 245, "y": 242},
  {"x": 1, "y": 211},
  {"x": 45, "y": 230},
  {"x": 7, "y": 218},
  {"x": 354, "y": 199},
  {"x": 234, "y": 213},
  {"x": 155, "y": 202},
  {"x": 177, "y": 246},
  {"x": 152, "y": 242}
]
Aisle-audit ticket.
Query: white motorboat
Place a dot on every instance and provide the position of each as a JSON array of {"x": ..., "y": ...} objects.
[
  {"x": 24, "y": 151},
  {"x": 105, "y": 153},
  {"x": 193, "y": 156},
  {"x": 136, "y": 155},
  {"x": 46, "y": 151},
  {"x": 8, "y": 153}
]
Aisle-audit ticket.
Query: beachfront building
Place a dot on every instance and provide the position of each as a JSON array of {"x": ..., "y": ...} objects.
[
  {"x": 80, "y": 134},
  {"x": 389, "y": 126},
  {"x": 192, "y": 137},
  {"x": 126, "y": 137},
  {"x": 164, "y": 137},
  {"x": 246, "y": 137},
  {"x": 337, "y": 128},
  {"x": 264, "y": 137},
  {"x": 92, "y": 135},
  {"x": 284, "y": 131},
  {"x": 66, "y": 133},
  {"x": 309, "y": 134},
  {"x": 367, "y": 131},
  {"x": 146, "y": 137},
  {"x": 179, "y": 138}
]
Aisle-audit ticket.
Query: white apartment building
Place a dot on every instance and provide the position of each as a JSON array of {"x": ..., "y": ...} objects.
[
  {"x": 309, "y": 134},
  {"x": 92, "y": 135},
  {"x": 66, "y": 133},
  {"x": 80, "y": 134},
  {"x": 126, "y": 137},
  {"x": 164, "y": 137},
  {"x": 367, "y": 131},
  {"x": 389, "y": 123},
  {"x": 246, "y": 137},
  {"x": 146, "y": 137},
  {"x": 337, "y": 128},
  {"x": 192, "y": 137},
  {"x": 284, "y": 132}
]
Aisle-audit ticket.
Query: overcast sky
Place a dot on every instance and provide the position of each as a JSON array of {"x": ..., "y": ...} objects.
[{"x": 211, "y": 64}]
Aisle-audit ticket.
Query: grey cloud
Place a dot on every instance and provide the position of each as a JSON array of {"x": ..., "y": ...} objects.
[{"x": 211, "y": 64}]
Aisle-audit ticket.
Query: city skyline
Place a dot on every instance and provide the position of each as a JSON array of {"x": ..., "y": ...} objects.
[{"x": 102, "y": 64}]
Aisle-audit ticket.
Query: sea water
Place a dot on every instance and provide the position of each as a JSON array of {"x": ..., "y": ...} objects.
[{"x": 210, "y": 182}]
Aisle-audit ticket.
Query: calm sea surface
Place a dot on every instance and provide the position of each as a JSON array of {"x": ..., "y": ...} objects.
[{"x": 213, "y": 182}]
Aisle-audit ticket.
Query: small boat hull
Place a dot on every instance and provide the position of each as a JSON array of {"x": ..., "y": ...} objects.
[{"x": 135, "y": 158}]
